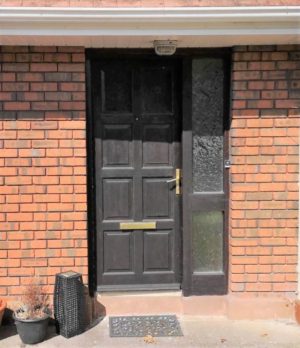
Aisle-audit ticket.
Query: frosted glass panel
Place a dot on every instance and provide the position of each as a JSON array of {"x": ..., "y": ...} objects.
[
  {"x": 207, "y": 118},
  {"x": 207, "y": 229}
]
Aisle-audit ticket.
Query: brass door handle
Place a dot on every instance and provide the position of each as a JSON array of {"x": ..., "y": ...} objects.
[
  {"x": 171, "y": 180},
  {"x": 177, "y": 180}
]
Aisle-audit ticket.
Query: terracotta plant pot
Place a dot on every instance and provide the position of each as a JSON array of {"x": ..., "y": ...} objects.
[
  {"x": 297, "y": 311},
  {"x": 2, "y": 309}
]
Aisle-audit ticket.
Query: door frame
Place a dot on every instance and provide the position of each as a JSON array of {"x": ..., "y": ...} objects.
[{"x": 183, "y": 55}]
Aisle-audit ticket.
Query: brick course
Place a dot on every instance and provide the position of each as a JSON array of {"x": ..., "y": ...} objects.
[
  {"x": 43, "y": 164},
  {"x": 264, "y": 174}
]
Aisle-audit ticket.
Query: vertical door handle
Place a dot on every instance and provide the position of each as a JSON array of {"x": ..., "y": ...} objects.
[{"x": 177, "y": 180}]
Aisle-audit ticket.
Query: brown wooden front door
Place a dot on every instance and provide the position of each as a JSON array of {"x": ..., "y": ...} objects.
[{"x": 136, "y": 112}]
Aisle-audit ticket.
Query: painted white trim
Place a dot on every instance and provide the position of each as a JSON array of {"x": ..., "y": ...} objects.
[
  {"x": 20, "y": 25},
  {"x": 219, "y": 14},
  {"x": 151, "y": 32}
]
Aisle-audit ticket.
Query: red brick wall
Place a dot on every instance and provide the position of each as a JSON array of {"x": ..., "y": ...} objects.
[
  {"x": 43, "y": 167},
  {"x": 146, "y": 3},
  {"x": 42, "y": 164},
  {"x": 264, "y": 175}
]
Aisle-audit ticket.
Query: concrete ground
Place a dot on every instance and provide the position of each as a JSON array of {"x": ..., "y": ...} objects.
[{"x": 206, "y": 332}]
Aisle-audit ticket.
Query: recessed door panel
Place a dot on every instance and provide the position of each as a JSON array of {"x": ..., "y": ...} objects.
[
  {"x": 157, "y": 196},
  {"x": 118, "y": 252},
  {"x": 117, "y": 199},
  {"x": 157, "y": 89},
  {"x": 157, "y": 144},
  {"x": 117, "y": 145},
  {"x": 116, "y": 88},
  {"x": 157, "y": 256}
]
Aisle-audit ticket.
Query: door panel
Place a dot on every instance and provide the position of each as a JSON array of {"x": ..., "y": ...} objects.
[
  {"x": 117, "y": 145},
  {"x": 157, "y": 90},
  {"x": 207, "y": 124},
  {"x": 157, "y": 198},
  {"x": 157, "y": 247},
  {"x": 207, "y": 241},
  {"x": 157, "y": 144},
  {"x": 116, "y": 88},
  {"x": 205, "y": 188},
  {"x": 117, "y": 199},
  {"x": 123, "y": 260},
  {"x": 136, "y": 107}
]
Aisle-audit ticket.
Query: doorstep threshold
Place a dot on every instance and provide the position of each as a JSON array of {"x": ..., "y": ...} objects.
[{"x": 161, "y": 290}]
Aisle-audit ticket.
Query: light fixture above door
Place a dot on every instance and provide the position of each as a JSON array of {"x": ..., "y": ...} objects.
[{"x": 165, "y": 47}]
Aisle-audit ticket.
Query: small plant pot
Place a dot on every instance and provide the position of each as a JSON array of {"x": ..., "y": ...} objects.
[
  {"x": 32, "y": 331},
  {"x": 2, "y": 309}
]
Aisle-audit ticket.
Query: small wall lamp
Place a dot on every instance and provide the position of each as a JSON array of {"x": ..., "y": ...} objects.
[{"x": 165, "y": 47}]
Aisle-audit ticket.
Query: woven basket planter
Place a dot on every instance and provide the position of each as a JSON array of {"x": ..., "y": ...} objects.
[{"x": 69, "y": 310}]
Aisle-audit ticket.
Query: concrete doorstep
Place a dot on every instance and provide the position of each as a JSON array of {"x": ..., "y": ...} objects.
[{"x": 206, "y": 332}]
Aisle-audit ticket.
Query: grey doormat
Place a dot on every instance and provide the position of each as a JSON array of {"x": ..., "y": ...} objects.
[{"x": 140, "y": 326}]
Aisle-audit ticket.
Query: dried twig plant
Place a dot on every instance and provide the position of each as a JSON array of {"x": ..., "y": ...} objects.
[{"x": 34, "y": 302}]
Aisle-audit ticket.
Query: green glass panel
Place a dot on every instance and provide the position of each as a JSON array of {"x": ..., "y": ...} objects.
[{"x": 207, "y": 230}]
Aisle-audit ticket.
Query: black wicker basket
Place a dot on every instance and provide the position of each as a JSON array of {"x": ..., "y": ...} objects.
[{"x": 69, "y": 304}]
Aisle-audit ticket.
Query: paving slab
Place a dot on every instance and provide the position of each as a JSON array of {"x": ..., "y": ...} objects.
[{"x": 206, "y": 332}]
